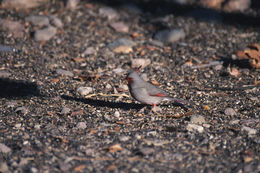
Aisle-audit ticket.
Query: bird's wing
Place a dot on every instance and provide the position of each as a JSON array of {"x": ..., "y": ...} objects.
[{"x": 155, "y": 91}]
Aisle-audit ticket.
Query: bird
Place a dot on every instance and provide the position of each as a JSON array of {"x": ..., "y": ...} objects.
[{"x": 147, "y": 93}]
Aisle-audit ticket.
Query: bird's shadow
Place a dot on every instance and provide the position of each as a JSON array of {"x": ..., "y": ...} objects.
[{"x": 111, "y": 104}]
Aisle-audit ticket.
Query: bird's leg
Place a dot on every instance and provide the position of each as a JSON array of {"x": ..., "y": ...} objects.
[{"x": 156, "y": 108}]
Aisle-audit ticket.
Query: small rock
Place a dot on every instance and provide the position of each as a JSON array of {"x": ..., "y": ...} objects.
[
  {"x": 19, "y": 125},
  {"x": 117, "y": 114},
  {"x": 230, "y": 112},
  {"x": 4, "y": 149},
  {"x": 56, "y": 21},
  {"x": 120, "y": 27},
  {"x": 118, "y": 70},
  {"x": 195, "y": 127},
  {"x": 249, "y": 130},
  {"x": 11, "y": 104},
  {"x": 197, "y": 119},
  {"x": 16, "y": 28},
  {"x": 170, "y": 36},
  {"x": 45, "y": 34},
  {"x": 218, "y": 67},
  {"x": 34, "y": 170},
  {"x": 121, "y": 42},
  {"x": 4, "y": 48},
  {"x": 147, "y": 150},
  {"x": 81, "y": 125},
  {"x": 108, "y": 12},
  {"x": 4, "y": 167},
  {"x": 136, "y": 63},
  {"x": 72, "y": 4},
  {"x": 22, "y": 4},
  {"x": 22, "y": 110},
  {"x": 108, "y": 86},
  {"x": 234, "y": 122},
  {"x": 65, "y": 110},
  {"x": 4, "y": 74},
  {"x": 64, "y": 72},
  {"x": 123, "y": 49},
  {"x": 37, "y": 126},
  {"x": 237, "y": 5},
  {"x": 38, "y": 20},
  {"x": 124, "y": 138},
  {"x": 123, "y": 87},
  {"x": 89, "y": 51},
  {"x": 84, "y": 90}
]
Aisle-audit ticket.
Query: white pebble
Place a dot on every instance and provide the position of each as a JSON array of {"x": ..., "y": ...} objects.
[{"x": 84, "y": 90}]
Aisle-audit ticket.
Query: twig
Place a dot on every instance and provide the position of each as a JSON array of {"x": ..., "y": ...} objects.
[{"x": 213, "y": 63}]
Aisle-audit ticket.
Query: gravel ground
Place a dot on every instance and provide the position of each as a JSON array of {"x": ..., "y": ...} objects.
[{"x": 49, "y": 123}]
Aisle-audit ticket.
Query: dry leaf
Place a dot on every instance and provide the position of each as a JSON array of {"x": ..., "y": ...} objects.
[
  {"x": 55, "y": 80},
  {"x": 115, "y": 148},
  {"x": 111, "y": 168},
  {"x": 206, "y": 107},
  {"x": 252, "y": 53},
  {"x": 79, "y": 168},
  {"x": 234, "y": 72},
  {"x": 257, "y": 82},
  {"x": 78, "y": 59},
  {"x": 155, "y": 82}
]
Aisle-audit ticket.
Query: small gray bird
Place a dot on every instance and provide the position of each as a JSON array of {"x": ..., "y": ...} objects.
[{"x": 146, "y": 92}]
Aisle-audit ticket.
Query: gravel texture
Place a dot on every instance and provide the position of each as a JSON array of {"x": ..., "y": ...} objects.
[{"x": 64, "y": 104}]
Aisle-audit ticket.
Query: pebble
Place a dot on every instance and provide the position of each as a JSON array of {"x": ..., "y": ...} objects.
[
  {"x": 22, "y": 110},
  {"x": 45, "y": 34},
  {"x": 84, "y": 90},
  {"x": 197, "y": 119},
  {"x": 56, "y": 21},
  {"x": 4, "y": 74},
  {"x": 118, "y": 70},
  {"x": 22, "y": 4},
  {"x": 237, "y": 5},
  {"x": 16, "y": 28},
  {"x": 169, "y": 35},
  {"x": 123, "y": 86},
  {"x": 120, "y": 27},
  {"x": 108, "y": 12},
  {"x": 230, "y": 112},
  {"x": 11, "y": 104},
  {"x": 4, "y": 149},
  {"x": 72, "y": 4},
  {"x": 121, "y": 42},
  {"x": 64, "y": 72},
  {"x": 123, "y": 49},
  {"x": 124, "y": 138},
  {"x": 65, "y": 110},
  {"x": 136, "y": 63},
  {"x": 34, "y": 170},
  {"x": 117, "y": 114},
  {"x": 195, "y": 127},
  {"x": 4, "y": 48},
  {"x": 147, "y": 150},
  {"x": 81, "y": 125},
  {"x": 38, "y": 20},
  {"x": 4, "y": 167},
  {"x": 249, "y": 130},
  {"x": 234, "y": 122},
  {"x": 89, "y": 51},
  {"x": 18, "y": 125}
]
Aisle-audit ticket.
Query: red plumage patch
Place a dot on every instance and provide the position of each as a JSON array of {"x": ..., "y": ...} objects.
[{"x": 159, "y": 95}]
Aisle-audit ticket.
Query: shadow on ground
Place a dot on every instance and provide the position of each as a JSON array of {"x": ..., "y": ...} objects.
[
  {"x": 119, "y": 105},
  {"x": 16, "y": 89},
  {"x": 165, "y": 7}
]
